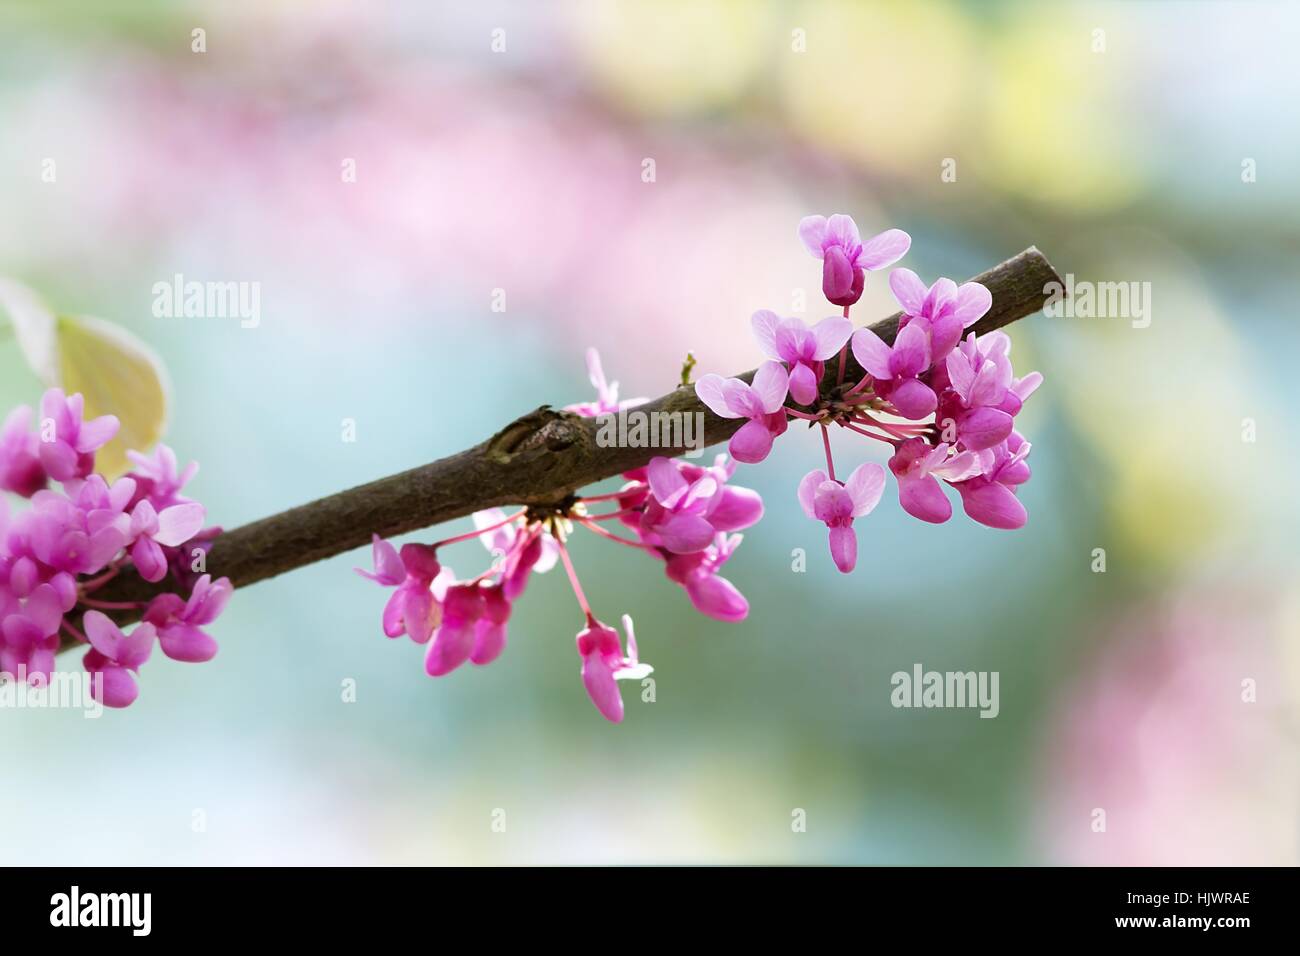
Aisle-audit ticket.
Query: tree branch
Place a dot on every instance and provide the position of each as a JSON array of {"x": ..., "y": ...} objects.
[{"x": 538, "y": 460}]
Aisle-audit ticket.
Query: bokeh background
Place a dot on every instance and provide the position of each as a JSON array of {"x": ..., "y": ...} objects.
[{"x": 1120, "y": 154}]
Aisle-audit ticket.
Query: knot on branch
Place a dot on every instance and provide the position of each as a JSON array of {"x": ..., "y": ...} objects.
[{"x": 545, "y": 430}]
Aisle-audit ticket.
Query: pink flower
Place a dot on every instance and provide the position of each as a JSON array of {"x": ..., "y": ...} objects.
[
  {"x": 520, "y": 550},
  {"x": 69, "y": 450},
  {"x": 74, "y": 539},
  {"x": 49, "y": 553},
  {"x": 838, "y": 503},
  {"x": 180, "y": 623},
  {"x": 153, "y": 531},
  {"x": 158, "y": 479},
  {"x": 21, "y": 470},
  {"x": 801, "y": 348},
  {"x": 606, "y": 402},
  {"x": 917, "y": 465},
  {"x": 943, "y": 310},
  {"x": 845, "y": 256},
  {"x": 473, "y": 628},
  {"x": 976, "y": 408},
  {"x": 688, "y": 506},
  {"x": 895, "y": 370},
  {"x": 414, "y": 608},
  {"x": 490, "y": 631},
  {"x": 709, "y": 592},
  {"x": 762, "y": 403},
  {"x": 115, "y": 658},
  {"x": 30, "y": 629},
  {"x": 454, "y": 640},
  {"x": 604, "y": 665},
  {"x": 990, "y": 496}
]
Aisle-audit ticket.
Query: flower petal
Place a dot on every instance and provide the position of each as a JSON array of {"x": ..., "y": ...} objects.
[
  {"x": 911, "y": 355},
  {"x": 807, "y": 492},
  {"x": 771, "y": 383},
  {"x": 924, "y": 498},
  {"x": 602, "y": 688},
  {"x": 489, "y": 642},
  {"x": 667, "y": 483},
  {"x": 960, "y": 374},
  {"x": 913, "y": 399},
  {"x": 829, "y": 336},
  {"x": 96, "y": 433},
  {"x": 709, "y": 389},
  {"x": 114, "y": 687},
  {"x": 388, "y": 566},
  {"x": 812, "y": 233},
  {"x": 764, "y": 324},
  {"x": 865, "y": 486},
  {"x": 844, "y": 547},
  {"x": 686, "y": 533},
  {"x": 183, "y": 642},
  {"x": 103, "y": 634},
  {"x": 451, "y": 646},
  {"x": 838, "y": 274},
  {"x": 179, "y": 523},
  {"x": 908, "y": 289},
  {"x": 717, "y": 598},
  {"x": 973, "y": 301},
  {"x": 872, "y": 353},
  {"x": 984, "y": 427},
  {"x": 752, "y": 443},
  {"x": 884, "y": 249},
  {"x": 993, "y": 504},
  {"x": 803, "y": 384},
  {"x": 843, "y": 231},
  {"x": 734, "y": 509}
]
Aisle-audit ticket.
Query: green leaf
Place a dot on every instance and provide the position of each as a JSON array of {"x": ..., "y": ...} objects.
[{"x": 114, "y": 370}]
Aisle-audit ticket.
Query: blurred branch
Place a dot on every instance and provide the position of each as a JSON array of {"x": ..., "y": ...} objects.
[{"x": 537, "y": 460}]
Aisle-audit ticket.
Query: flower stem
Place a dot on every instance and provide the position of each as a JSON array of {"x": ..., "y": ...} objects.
[
  {"x": 610, "y": 515},
  {"x": 898, "y": 431},
  {"x": 866, "y": 379},
  {"x": 112, "y": 605},
  {"x": 95, "y": 583},
  {"x": 888, "y": 440},
  {"x": 612, "y": 537},
  {"x": 605, "y": 497},
  {"x": 573, "y": 579},
  {"x": 826, "y": 441},
  {"x": 804, "y": 415},
  {"x": 474, "y": 534}
]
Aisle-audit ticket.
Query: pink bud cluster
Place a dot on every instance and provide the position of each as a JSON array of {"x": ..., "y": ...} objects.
[
  {"x": 56, "y": 554},
  {"x": 944, "y": 405},
  {"x": 685, "y": 515}
]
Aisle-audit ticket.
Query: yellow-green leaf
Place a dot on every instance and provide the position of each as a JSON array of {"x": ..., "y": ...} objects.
[
  {"x": 118, "y": 375},
  {"x": 116, "y": 372}
]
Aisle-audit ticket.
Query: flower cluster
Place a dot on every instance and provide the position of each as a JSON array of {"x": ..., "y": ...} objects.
[
  {"x": 55, "y": 555},
  {"x": 945, "y": 405},
  {"x": 685, "y": 515}
]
